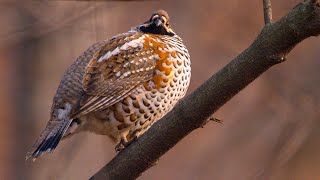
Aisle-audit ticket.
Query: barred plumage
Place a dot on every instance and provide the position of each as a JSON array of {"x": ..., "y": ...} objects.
[{"x": 121, "y": 86}]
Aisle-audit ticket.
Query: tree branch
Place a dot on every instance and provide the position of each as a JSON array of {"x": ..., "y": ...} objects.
[
  {"x": 270, "y": 47},
  {"x": 267, "y": 11}
]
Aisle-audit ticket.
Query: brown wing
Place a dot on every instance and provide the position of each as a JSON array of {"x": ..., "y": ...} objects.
[{"x": 115, "y": 71}]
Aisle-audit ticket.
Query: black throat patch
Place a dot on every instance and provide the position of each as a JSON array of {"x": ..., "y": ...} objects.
[{"x": 153, "y": 29}]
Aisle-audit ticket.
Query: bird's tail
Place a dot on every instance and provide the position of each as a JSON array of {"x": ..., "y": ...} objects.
[{"x": 49, "y": 138}]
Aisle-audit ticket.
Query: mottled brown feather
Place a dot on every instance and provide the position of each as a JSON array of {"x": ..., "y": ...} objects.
[{"x": 107, "y": 81}]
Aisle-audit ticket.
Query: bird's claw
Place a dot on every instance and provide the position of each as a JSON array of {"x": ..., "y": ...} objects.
[{"x": 124, "y": 143}]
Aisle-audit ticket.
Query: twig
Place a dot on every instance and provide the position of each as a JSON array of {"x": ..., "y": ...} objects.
[
  {"x": 267, "y": 11},
  {"x": 216, "y": 120},
  {"x": 211, "y": 119}
]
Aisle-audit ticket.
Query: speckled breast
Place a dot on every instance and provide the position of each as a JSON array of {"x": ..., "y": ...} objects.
[{"x": 153, "y": 99}]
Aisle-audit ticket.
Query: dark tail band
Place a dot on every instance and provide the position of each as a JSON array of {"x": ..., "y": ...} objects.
[{"x": 50, "y": 140}]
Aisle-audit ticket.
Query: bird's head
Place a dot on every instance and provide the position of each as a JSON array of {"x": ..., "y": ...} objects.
[{"x": 158, "y": 24}]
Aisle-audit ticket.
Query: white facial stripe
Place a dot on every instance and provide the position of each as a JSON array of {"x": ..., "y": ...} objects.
[
  {"x": 164, "y": 19},
  {"x": 155, "y": 16}
]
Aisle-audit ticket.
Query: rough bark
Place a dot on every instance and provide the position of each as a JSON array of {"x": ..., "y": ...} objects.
[{"x": 271, "y": 46}]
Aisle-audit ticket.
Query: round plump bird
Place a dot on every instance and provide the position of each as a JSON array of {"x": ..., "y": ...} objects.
[{"x": 121, "y": 86}]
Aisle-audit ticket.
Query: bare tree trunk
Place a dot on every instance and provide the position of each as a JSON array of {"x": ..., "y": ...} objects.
[{"x": 271, "y": 47}]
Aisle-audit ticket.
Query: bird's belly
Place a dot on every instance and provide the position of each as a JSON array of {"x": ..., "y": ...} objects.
[{"x": 138, "y": 111}]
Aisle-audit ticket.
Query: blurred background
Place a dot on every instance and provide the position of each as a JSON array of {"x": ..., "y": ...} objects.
[{"x": 270, "y": 130}]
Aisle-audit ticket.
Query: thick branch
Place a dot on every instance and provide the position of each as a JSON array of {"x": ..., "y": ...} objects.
[{"x": 271, "y": 46}]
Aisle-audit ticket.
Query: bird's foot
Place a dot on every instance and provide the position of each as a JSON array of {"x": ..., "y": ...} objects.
[{"x": 124, "y": 143}]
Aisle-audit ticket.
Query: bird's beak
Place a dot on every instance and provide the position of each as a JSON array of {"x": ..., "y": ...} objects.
[{"x": 158, "y": 22}]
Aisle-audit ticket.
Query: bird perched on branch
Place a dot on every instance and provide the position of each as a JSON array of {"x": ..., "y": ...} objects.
[{"x": 121, "y": 86}]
